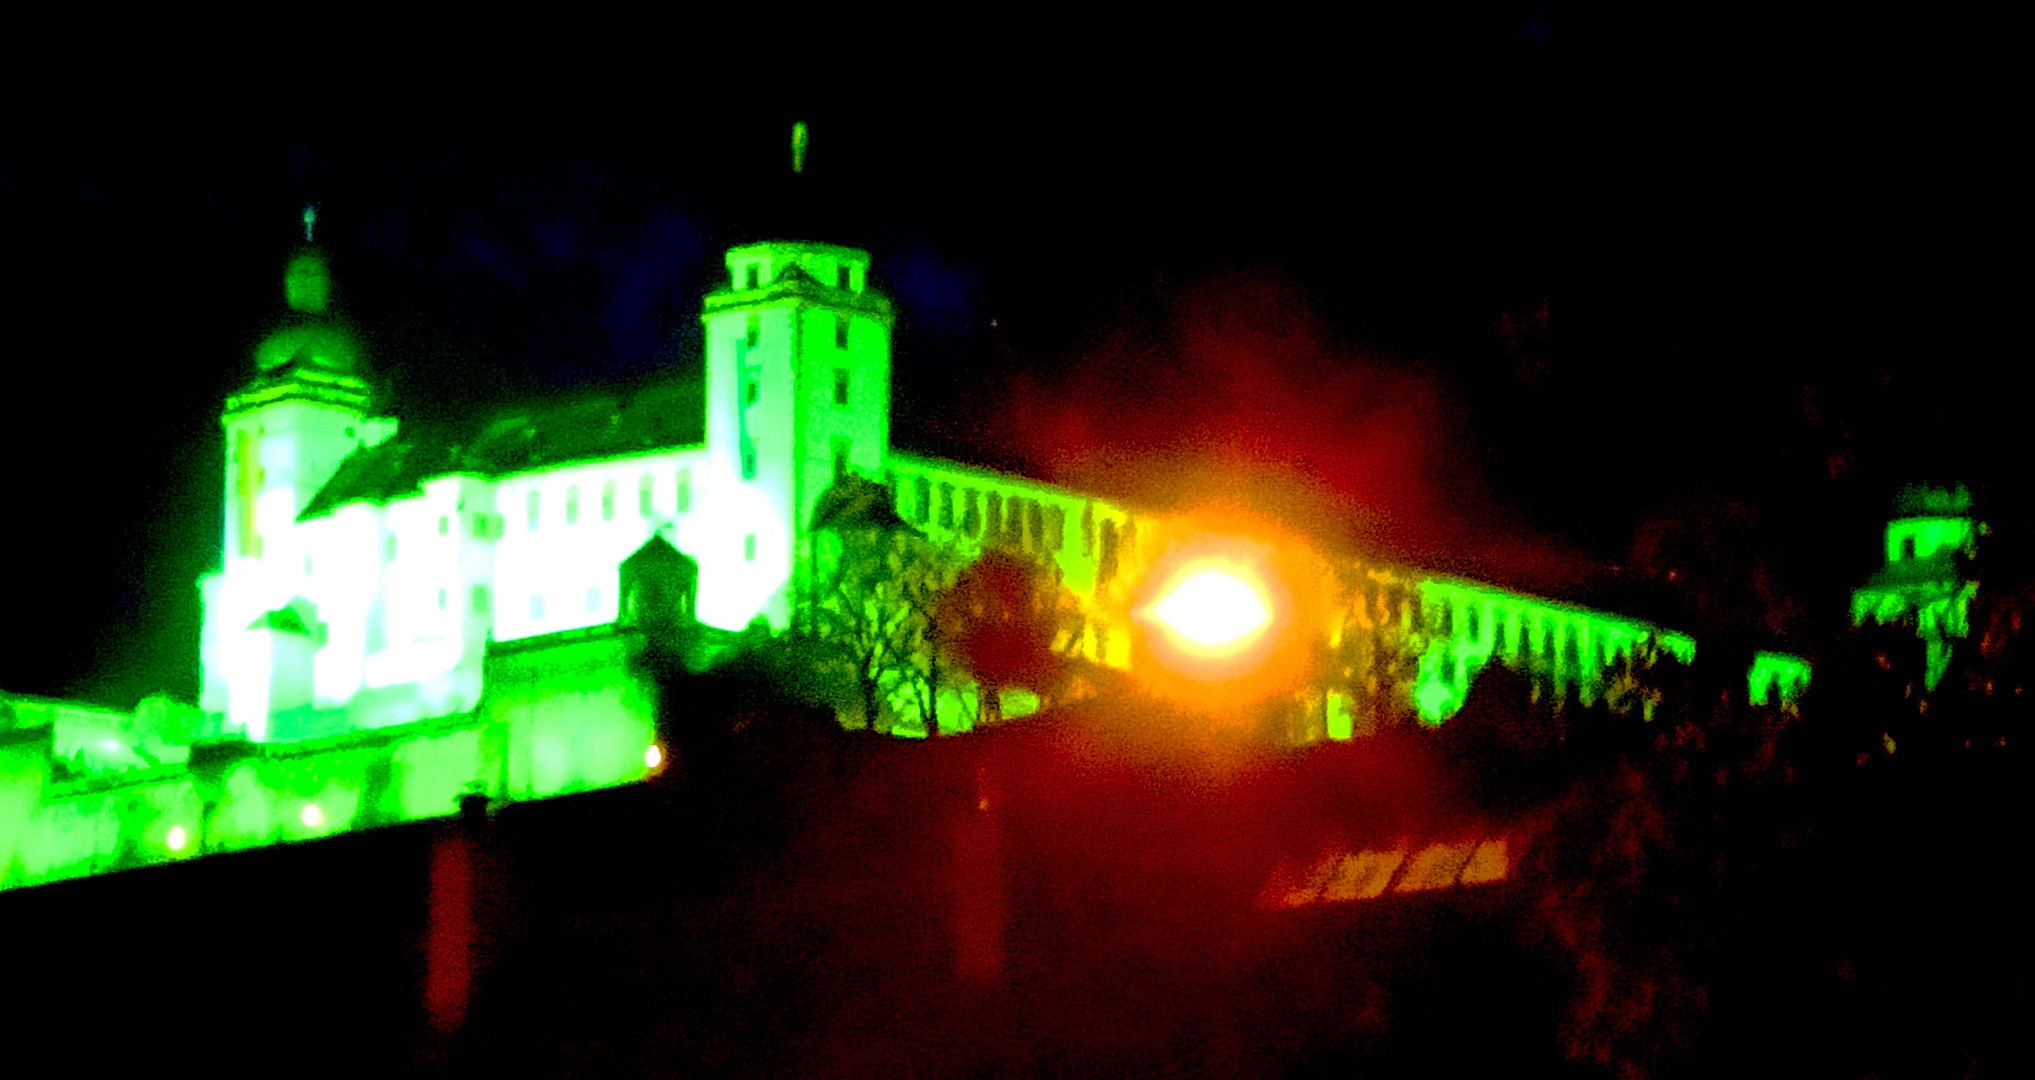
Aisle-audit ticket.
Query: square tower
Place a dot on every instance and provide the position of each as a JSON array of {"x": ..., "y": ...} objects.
[{"x": 797, "y": 391}]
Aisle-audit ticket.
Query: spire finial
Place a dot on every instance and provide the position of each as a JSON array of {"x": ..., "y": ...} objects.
[
  {"x": 310, "y": 219},
  {"x": 798, "y": 147}
]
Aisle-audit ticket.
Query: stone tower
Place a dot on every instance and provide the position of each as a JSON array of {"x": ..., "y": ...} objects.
[{"x": 798, "y": 390}]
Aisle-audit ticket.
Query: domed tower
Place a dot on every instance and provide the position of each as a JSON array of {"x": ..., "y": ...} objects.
[{"x": 287, "y": 431}]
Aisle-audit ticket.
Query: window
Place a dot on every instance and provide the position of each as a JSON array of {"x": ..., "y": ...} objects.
[
  {"x": 607, "y": 500},
  {"x": 924, "y": 490},
  {"x": 537, "y": 605},
  {"x": 749, "y": 275},
  {"x": 840, "y": 386},
  {"x": 480, "y": 526},
  {"x": 755, "y": 337},
  {"x": 1105, "y": 568},
  {"x": 685, "y": 487},
  {"x": 644, "y": 500},
  {"x": 441, "y": 599},
  {"x": 480, "y": 599},
  {"x": 1056, "y": 528},
  {"x": 946, "y": 506},
  {"x": 748, "y": 463},
  {"x": 971, "y": 517},
  {"x": 572, "y": 505},
  {"x": 749, "y": 548},
  {"x": 993, "y": 526},
  {"x": 1907, "y": 547},
  {"x": 840, "y": 461},
  {"x": 593, "y": 599},
  {"x": 750, "y": 391},
  {"x": 840, "y": 331},
  {"x": 533, "y": 511},
  {"x": 846, "y": 282},
  {"x": 1035, "y": 526},
  {"x": 1088, "y": 531},
  {"x": 444, "y": 524}
]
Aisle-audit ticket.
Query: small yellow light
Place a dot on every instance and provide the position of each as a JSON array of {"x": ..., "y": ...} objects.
[
  {"x": 653, "y": 756},
  {"x": 176, "y": 839},
  {"x": 311, "y": 816}
]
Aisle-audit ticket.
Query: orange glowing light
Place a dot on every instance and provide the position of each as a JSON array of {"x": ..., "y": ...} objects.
[
  {"x": 1215, "y": 607},
  {"x": 1225, "y": 614}
]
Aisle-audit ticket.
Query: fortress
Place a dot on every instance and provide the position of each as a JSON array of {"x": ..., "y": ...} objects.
[{"x": 405, "y": 617}]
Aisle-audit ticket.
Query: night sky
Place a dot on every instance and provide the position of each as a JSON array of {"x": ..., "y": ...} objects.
[{"x": 1507, "y": 289}]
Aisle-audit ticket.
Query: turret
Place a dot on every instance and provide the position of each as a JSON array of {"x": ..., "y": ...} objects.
[{"x": 287, "y": 431}]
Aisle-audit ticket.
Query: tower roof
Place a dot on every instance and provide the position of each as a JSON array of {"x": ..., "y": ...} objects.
[{"x": 312, "y": 333}]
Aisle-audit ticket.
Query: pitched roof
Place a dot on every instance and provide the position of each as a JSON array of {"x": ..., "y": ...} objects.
[{"x": 667, "y": 413}]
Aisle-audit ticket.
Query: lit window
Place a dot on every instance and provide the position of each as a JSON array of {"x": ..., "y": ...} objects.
[
  {"x": 840, "y": 386},
  {"x": 840, "y": 331},
  {"x": 645, "y": 502},
  {"x": 684, "y": 490},
  {"x": 749, "y": 548},
  {"x": 537, "y": 605},
  {"x": 608, "y": 500},
  {"x": 480, "y": 599},
  {"x": 533, "y": 511},
  {"x": 444, "y": 524},
  {"x": 572, "y": 505},
  {"x": 755, "y": 337},
  {"x": 593, "y": 598},
  {"x": 749, "y": 275}
]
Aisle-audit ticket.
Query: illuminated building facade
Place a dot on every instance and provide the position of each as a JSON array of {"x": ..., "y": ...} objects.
[
  {"x": 1922, "y": 583},
  {"x": 403, "y": 618}
]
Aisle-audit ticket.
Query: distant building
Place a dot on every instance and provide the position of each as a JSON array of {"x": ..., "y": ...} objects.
[{"x": 1923, "y": 585}]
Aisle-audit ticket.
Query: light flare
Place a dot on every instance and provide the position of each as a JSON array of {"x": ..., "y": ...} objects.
[{"x": 1216, "y": 608}]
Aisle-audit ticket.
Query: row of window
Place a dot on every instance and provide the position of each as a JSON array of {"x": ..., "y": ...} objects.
[
  {"x": 1023, "y": 523},
  {"x": 753, "y": 333},
  {"x": 752, "y": 387},
  {"x": 646, "y": 499}
]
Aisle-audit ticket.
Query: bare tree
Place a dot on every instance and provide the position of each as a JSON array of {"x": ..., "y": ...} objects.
[{"x": 874, "y": 596}]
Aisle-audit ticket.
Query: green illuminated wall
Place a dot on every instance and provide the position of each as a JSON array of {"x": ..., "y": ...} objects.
[
  {"x": 84, "y": 791},
  {"x": 1922, "y": 583},
  {"x": 1438, "y": 632}
]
